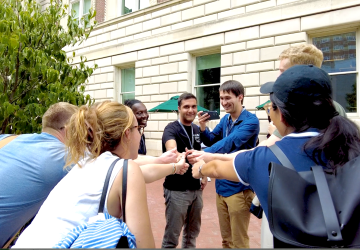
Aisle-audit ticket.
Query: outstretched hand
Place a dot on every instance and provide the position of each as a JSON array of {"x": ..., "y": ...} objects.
[
  {"x": 195, "y": 170},
  {"x": 195, "y": 156},
  {"x": 191, "y": 155},
  {"x": 181, "y": 166},
  {"x": 169, "y": 156}
]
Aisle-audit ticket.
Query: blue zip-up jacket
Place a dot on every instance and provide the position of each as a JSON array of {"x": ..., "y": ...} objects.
[{"x": 243, "y": 135}]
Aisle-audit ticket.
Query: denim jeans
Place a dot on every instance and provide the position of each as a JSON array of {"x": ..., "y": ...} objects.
[{"x": 183, "y": 210}]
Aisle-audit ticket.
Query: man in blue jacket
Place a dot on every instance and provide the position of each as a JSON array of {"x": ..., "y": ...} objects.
[{"x": 238, "y": 129}]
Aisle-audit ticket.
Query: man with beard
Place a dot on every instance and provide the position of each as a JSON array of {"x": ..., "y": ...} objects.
[
  {"x": 183, "y": 193},
  {"x": 142, "y": 116}
]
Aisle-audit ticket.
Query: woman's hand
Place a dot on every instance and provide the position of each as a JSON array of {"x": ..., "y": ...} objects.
[
  {"x": 195, "y": 169},
  {"x": 181, "y": 166},
  {"x": 168, "y": 157}
]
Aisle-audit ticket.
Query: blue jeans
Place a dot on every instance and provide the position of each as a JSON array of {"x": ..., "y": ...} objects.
[{"x": 183, "y": 210}]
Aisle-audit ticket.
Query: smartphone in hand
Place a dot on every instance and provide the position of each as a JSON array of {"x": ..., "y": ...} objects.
[{"x": 213, "y": 115}]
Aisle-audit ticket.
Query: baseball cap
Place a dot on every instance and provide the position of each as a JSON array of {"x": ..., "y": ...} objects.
[{"x": 299, "y": 82}]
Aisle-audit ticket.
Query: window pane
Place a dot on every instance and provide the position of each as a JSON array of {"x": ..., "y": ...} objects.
[
  {"x": 128, "y": 80},
  {"x": 86, "y": 17},
  {"x": 127, "y": 96},
  {"x": 86, "y": 7},
  {"x": 208, "y": 69},
  {"x": 208, "y": 62},
  {"x": 339, "y": 52},
  {"x": 128, "y": 6},
  {"x": 344, "y": 91},
  {"x": 208, "y": 97},
  {"x": 76, "y": 7},
  {"x": 144, "y": 4}
]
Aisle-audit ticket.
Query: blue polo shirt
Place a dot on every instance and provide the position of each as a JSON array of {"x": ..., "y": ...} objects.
[
  {"x": 228, "y": 137},
  {"x": 251, "y": 167}
]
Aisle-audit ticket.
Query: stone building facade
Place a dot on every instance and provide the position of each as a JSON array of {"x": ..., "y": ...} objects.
[{"x": 177, "y": 46}]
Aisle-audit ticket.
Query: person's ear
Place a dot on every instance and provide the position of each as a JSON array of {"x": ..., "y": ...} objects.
[
  {"x": 179, "y": 109},
  {"x": 127, "y": 134}
]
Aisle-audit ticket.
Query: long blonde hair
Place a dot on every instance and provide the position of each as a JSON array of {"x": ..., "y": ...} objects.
[{"x": 97, "y": 128}]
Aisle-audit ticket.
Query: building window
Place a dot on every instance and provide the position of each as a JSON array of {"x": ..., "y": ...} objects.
[
  {"x": 207, "y": 81},
  {"x": 129, "y": 6},
  {"x": 81, "y": 9},
  {"x": 127, "y": 84},
  {"x": 340, "y": 62}
]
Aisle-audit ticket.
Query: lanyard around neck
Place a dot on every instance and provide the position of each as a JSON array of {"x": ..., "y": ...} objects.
[{"x": 192, "y": 135}]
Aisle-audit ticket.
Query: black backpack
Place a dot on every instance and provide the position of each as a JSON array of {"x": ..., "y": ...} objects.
[{"x": 316, "y": 208}]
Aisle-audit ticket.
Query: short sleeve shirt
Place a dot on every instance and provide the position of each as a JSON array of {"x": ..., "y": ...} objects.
[
  {"x": 174, "y": 131},
  {"x": 252, "y": 166}
]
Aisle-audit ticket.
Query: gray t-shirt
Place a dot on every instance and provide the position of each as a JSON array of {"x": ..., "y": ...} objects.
[{"x": 338, "y": 108}]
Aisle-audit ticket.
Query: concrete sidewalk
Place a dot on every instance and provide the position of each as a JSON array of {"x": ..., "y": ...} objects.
[{"x": 210, "y": 233}]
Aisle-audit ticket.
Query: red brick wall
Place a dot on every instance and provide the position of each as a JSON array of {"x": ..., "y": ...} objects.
[{"x": 100, "y": 6}]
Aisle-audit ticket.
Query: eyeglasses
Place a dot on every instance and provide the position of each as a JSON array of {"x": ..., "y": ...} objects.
[
  {"x": 140, "y": 129},
  {"x": 267, "y": 108}
]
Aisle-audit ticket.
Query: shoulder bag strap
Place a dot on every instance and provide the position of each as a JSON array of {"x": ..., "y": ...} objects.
[
  {"x": 281, "y": 156},
  {"x": 327, "y": 205},
  {"x": 124, "y": 188},
  {"x": 106, "y": 185},
  {"x": 8, "y": 139}
]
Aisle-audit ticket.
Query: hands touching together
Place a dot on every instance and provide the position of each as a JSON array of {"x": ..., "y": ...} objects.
[{"x": 181, "y": 166}]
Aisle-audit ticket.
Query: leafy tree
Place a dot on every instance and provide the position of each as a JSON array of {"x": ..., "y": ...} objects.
[
  {"x": 34, "y": 69},
  {"x": 351, "y": 99}
]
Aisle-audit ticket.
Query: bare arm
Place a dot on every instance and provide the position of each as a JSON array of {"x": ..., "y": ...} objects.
[
  {"x": 207, "y": 157},
  {"x": 137, "y": 213},
  {"x": 154, "y": 172},
  {"x": 270, "y": 141},
  {"x": 167, "y": 157},
  {"x": 216, "y": 169},
  {"x": 170, "y": 145}
]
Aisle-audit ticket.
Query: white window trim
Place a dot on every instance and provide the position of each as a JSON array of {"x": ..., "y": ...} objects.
[
  {"x": 122, "y": 5},
  {"x": 81, "y": 8},
  {"x": 357, "y": 34},
  {"x": 194, "y": 71},
  {"x": 118, "y": 83}
]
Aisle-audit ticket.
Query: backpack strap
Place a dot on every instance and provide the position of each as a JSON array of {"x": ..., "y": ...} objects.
[
  {"x": 124, "y": 188},
  {"x": 281, "y": 156},
  {"x": 106, "y": 185},
  {"x": 327, "y": 205}
]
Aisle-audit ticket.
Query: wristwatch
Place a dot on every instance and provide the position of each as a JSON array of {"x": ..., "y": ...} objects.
[{"x": 201, "y": 175}]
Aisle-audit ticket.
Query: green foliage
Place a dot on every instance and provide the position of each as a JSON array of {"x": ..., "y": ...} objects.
[
  {"x": 351, "y": 99},
  {"x": 34, "y": 69}
]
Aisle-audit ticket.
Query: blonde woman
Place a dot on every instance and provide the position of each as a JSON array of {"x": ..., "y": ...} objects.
[{"x": 104, "y": 132}]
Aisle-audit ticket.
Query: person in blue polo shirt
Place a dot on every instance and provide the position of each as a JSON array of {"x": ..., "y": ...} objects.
[
  {"x": 238, "y": 129},
  {"x": 302, "y": 110}
]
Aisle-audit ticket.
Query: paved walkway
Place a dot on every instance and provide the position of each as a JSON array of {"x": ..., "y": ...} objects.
[{"x": 210, "y": 233}]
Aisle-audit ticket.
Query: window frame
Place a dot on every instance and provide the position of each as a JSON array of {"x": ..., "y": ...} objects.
[
  {"x": 81, "y": 9},
  {"x": 332, "y": 32},
  {"x": 137, "y": 7},
  {"x": 119, "y": 82},
  {"x": 194, "y": 70}
]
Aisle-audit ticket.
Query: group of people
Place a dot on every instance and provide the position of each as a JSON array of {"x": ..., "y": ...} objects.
[{"x": 37, "y": 180}]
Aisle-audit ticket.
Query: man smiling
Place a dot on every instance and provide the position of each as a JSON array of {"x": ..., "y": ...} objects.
[
  {"x": 183, "y": 193},
  {"x": 142, "y": 116},
  {"x": 237, "y": 130}
]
